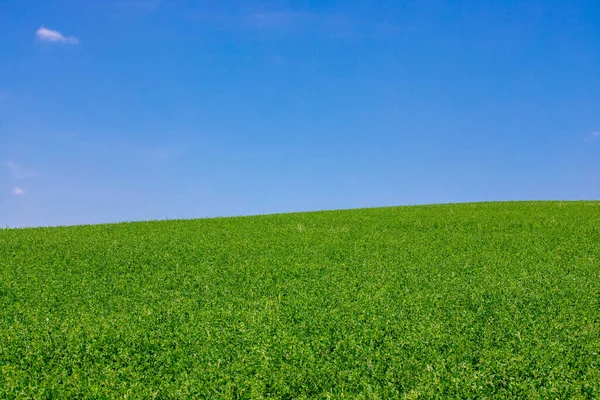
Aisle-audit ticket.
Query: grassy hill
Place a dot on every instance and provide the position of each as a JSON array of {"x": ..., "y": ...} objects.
[{"x": 448, "y": 301}]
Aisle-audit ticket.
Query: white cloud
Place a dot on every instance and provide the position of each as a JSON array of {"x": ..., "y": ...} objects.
[
  {"x": 595, "y": 134},
  {"x": 19, "y": 172},
  {"x": 48, "y": 35},
  {"x": 17, "y": 191}
]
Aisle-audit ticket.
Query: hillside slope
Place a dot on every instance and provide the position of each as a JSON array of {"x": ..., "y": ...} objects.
[{"x": 467, "y": 300}]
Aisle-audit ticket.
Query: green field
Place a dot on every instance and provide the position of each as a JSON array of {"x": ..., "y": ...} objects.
[{"x": 483, "y": 300}]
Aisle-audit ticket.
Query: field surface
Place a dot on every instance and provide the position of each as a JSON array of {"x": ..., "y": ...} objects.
[{"x": 484, "y": 300}]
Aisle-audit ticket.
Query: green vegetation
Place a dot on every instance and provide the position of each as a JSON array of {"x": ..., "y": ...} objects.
[{"x": 479, "y": 300}]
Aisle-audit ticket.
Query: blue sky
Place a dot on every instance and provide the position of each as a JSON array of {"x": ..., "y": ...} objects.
[{"x": 120, "y": 110}]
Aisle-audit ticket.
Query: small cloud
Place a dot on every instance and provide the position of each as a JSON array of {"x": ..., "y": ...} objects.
[
  {"x": 19, "y": 172},
  {"x": 17, "y": 191},
  {"x": 595, "y": 134},
  {"x": 48, "y": 35}
]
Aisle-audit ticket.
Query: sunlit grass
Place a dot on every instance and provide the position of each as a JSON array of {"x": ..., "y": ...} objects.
[{"x": 479, "y": 300}]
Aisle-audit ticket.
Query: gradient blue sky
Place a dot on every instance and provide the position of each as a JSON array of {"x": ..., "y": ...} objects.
[{"x": 149, "y": 109}]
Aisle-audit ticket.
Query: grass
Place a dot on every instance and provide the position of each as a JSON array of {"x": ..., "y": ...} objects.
[{"x": 485, "y": 300}]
